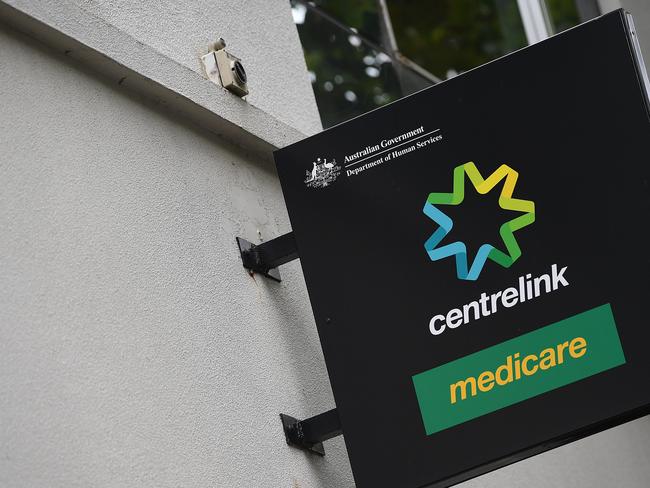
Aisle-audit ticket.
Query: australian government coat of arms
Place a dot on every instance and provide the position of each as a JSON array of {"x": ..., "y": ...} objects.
[{"x": 323, "y": 173}]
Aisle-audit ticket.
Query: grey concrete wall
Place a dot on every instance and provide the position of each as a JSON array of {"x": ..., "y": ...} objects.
[
  {"x": 260, "y": 32},
  {"x": 134, "y": 348}
]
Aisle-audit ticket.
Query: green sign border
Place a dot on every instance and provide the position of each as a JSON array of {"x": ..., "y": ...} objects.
[{"x": 438, "y": 387}]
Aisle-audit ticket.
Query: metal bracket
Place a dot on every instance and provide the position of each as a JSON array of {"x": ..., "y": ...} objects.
[
  {"x": 266, "y": 257},
  {"x": 310, "y": 433}
]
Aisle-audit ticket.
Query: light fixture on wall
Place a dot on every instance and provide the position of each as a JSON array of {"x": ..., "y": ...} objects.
[{"x": 224, "y": 68}]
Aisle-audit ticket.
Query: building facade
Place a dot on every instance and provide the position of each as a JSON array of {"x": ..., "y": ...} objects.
[{"x": 135, "y": 350}]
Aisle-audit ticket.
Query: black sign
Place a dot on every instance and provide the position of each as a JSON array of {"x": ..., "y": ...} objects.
[{"x": 477, "y": 260}]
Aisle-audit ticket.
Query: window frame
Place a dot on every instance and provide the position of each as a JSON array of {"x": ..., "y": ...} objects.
[{"x": 537, "y": 21}]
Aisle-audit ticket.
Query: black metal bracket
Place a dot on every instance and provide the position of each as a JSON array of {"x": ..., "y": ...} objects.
[
  {"x": 266, "y": 257},
  {"x": 310, "y": 433}
]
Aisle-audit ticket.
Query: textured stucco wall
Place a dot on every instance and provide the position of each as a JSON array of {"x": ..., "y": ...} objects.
[
  {"x": 164, "y": 41},
  {"x": 134, "y": 348},
  {"x": 260, "y": 32}
]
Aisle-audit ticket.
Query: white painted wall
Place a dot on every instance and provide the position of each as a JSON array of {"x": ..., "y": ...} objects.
[
  {"x": 260, "y": 32},
  {"x": 134, "y": 349}
]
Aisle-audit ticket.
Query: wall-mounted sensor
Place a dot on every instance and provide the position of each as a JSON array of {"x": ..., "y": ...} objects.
[{"x": 224, "y": 68}]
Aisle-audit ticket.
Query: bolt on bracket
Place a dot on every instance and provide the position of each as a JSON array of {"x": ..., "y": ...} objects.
[
  {"x": 310, "y": 433},
  {"x": 266, "y": 257}
]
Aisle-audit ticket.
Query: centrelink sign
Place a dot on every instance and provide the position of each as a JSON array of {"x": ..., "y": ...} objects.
[{"x": 474, "y": 256}]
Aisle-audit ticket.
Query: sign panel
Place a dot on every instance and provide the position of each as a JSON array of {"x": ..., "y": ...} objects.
[{"x": 475, "y": 256}]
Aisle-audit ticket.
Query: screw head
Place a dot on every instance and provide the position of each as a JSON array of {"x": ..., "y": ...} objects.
[{"x": 218, "y": 44}]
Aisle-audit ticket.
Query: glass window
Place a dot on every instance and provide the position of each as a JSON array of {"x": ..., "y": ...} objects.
[
  {"x": 361, "y": 15},
  {"x": 350, "y": 74},
  {"x": 564, "y": 14},
  {"x": 447, "y": 37},
  {"x": 363, "y": 54}
]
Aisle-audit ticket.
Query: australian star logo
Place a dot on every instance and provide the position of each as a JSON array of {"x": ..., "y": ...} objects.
[
  {"x": 323, "y": 173},
  {"x": 464, "y": 269}
]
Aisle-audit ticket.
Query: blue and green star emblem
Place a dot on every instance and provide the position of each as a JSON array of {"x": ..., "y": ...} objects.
[{"x": 464, "y": 270}]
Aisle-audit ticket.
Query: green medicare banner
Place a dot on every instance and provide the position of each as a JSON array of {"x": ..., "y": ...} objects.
[{"x": 520, "y": 368}]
